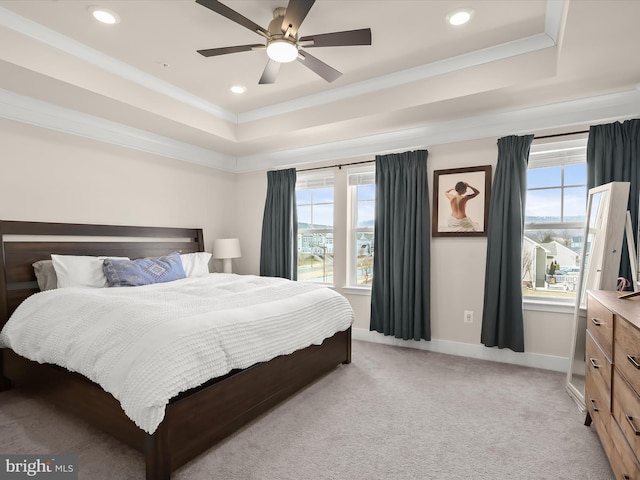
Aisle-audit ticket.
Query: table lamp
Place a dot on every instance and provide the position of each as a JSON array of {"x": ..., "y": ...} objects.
[{"x": 226, "y": 249}]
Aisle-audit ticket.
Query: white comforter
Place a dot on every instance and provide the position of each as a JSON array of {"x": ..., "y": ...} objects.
[{"x": 144, "y": 345}]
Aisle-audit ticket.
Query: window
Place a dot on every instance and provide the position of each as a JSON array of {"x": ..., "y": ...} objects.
[
  {"x": 363, "y": 197},
  {"x": 336, "y": 212},
  {"x": 555, "y": 213},
  {"x": 314, "y": 198}
]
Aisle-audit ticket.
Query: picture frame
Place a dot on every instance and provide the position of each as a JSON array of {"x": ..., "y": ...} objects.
[{"x": 463, "y": 212}]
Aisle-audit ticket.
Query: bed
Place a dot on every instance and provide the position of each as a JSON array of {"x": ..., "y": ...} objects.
[{"x": 195, "y": 419}]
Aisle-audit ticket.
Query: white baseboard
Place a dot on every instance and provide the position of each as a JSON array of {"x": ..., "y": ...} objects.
[{"x": 535, "y": 360}]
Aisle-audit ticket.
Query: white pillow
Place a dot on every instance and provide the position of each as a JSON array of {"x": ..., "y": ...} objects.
[
  {"x": 80, "y": 270},
  {"x": 195, "y": 264}
]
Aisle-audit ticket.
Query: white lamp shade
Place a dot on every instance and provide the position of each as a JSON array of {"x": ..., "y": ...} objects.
[{"x": 226, "y": 248}]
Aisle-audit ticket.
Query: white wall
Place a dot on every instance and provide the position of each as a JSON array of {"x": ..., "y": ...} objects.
[
  {"x": 457, "y": 273},
  {"x": 52, "y": 176},
  {"x": 55, "y": 177}
]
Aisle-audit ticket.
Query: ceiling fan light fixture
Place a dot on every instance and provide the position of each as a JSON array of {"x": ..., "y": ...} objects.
[
  {"x": 282, "y": 51},
  {"x": 460, "y": 16}
]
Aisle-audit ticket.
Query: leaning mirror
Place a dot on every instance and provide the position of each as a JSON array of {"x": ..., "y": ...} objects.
[{"x": 599, "y": 267}]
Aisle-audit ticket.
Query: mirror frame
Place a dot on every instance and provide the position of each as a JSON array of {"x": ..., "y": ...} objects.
[{"x": 603, "y": 276}]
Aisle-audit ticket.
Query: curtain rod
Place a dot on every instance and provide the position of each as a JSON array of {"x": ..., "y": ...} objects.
[
  {"x": 560, "y": 134},
  {"x": 339, "y": 166}
]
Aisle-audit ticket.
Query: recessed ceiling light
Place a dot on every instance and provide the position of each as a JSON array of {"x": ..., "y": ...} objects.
[
  {"x": 238, "y": 88},
  {"x": 105, "y": 16},
  {"x": 460, "y": 17}
]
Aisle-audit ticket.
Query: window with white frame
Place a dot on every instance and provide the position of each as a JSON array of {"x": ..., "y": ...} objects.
[
  {"x": 555, "y": 213},
  {"x": 315, "y": 205},
  {"x": 362, "y": 191}
]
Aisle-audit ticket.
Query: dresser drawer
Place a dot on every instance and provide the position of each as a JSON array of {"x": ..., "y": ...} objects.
[
  {"x": 600, "y": 324},
  {"x": 626, "y": 410},
  {"x": 627, "y": 352},
  {"x": 623, "y": 461},
  {"x": 598, "y": 365},
  {"x": 597, "y": 400}
]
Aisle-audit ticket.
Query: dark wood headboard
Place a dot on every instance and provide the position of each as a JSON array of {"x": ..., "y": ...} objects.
[{"x": 23, "y": 243}]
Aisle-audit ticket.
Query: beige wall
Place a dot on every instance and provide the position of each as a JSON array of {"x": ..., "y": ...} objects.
[
  {"x": 457, "y": 264},
  {"x": 51, "y": 176},
  {"x": 55, "y": 177}
]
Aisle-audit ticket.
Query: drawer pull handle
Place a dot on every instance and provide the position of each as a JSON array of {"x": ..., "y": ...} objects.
[
  {"x": 593, "y": 405},
  {"x": 633, "y": 361},
  {"x": 633, "y": 427},
  {"x": 593, "y": 363},
  {"x": 596, "y": 322}
]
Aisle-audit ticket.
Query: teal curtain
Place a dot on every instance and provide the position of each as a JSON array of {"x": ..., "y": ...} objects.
[
  {"x": 502, "y": 315},
  {"x": 400, "y": 290},
  {"x": 278, "y": 249},
  {"x": 613, "y": 155}
]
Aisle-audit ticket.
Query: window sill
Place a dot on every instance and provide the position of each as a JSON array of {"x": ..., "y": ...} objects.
[
  {"x": 548, "y": 306},
  {"x": 357, "y": 291}
]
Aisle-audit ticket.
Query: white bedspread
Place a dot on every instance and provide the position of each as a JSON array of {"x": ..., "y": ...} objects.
[{"x": 144, "y": 345}]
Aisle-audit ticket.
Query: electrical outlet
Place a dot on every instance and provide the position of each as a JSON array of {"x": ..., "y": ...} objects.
[{"x": 468, "y": 316}]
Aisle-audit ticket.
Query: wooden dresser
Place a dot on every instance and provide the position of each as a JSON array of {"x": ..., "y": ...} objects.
[{"x": 612, "y": 390}]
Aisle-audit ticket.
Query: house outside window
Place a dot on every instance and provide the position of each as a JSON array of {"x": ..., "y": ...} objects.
[
  {"x": 362, "y": 199},
  {"x": 555, "y": 213},
  {"x": 315, "y": 205}
]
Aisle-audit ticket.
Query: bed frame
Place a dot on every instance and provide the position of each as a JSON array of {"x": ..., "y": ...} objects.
[{"x": 194, "y": 420}]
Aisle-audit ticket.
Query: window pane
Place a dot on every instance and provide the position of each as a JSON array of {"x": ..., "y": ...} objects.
[
  {"x": 551, "y": 262},
  {"x": 364, "y": 259},
  {"x": 315, "y": 257},
  {"x": 304, "y": 217},
  {"x": 575, "y": 174},
  {"x": 366, "y": 192},
  {"x": 315, "y": 249},
  {"x": 303, "y": 197},
  {"x": 575, "y": 204},
  {"x": 366, "y": 214},
  {"x": 556, "y": 195},
  {"x": 323, "y": 195},
  {"x": 363, "y": 196},
  {"x": 323, "y": 216},
  {"x": 544, "y": 177},
  {"x": 543, "y": 206}
]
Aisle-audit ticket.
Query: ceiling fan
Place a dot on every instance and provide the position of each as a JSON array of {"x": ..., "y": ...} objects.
[{"x": 282, "y": 41}]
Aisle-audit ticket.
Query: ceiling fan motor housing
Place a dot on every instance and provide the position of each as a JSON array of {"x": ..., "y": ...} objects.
[{"x": 281, "y": 40}]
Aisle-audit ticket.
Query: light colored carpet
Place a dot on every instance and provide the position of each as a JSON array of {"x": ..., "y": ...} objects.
[{"x": 393, "y": 413}]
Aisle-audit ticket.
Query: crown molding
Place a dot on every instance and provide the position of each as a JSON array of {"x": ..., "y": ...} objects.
[
  {"x": 47, "y": 36},
  {"x": 29, "y": 110},
  {"x": 554, "y": 18},
  {"x": 449, "y": 65},
  {"x": 600, "y": 108}
]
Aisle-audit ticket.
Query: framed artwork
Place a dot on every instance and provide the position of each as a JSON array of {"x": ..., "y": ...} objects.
[{"x": 461, "y": 202}]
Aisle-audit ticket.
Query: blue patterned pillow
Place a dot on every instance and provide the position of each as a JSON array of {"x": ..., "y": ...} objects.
[{"x": 144, "y": 271}]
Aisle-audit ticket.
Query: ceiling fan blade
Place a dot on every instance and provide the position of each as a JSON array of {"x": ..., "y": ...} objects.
[
  {"x": 225, "y": 11},
  {"x": 212, "y": 52},
  {"x": 318, "y": 66},
  {"x": 270, "y": 72},
  {"x": 338, "y": 39},
  {"x": 296, "y": 12}
]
